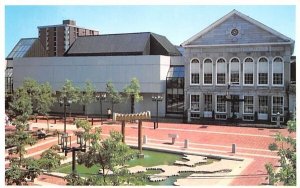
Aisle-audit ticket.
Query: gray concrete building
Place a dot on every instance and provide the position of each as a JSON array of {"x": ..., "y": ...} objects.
[
  {"x": 149, "y": 57},
  {"x": 237, "y": 68}
]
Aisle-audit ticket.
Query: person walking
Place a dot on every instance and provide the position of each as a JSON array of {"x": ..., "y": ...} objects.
[{"x": 109, "y": 113}]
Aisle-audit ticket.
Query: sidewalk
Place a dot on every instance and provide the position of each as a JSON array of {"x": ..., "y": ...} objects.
[{"x": 206, "y": 140}]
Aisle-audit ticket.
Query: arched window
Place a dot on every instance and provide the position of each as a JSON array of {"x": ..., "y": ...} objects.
[
  {"x": 248, "y": 71},
  {"x": 263, "y": 71},
  {"x": 278, "y": 70},
  {"x": 207, "y": 72},
  {"x": 195, "y": 71},
  {"x": 221, "y": 71},
  {"x": 235, "y": 71}
]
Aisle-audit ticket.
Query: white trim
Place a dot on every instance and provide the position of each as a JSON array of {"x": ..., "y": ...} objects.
[
  {"x": 230, "y": 72},
  {"x": 278, "y": 85},
  {"x": 244, "y": 71},
  {"x": 282, "y": 105},
  {"x": 212, "y": 80},
  {"x": 257, "y": 68},
  {"x": 245, "y": 17},
  {"x": 237, "y": 45},
  {"x": 244, "y": 105},
  {"x": 216, "y": 82},
  {"x": 191, "y": 103},
  {"x": 216, "y": 104},
  {"x": 193, "y": 84}
]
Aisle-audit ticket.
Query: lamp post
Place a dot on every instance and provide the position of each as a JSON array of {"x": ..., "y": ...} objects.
[
  {"x": 100, "y": 97},
  {"x": 66, "y": 149},
  {"x": 156, "y": 99},
  {"x": 233, "y": 101},
  {"x": 64, "y": 102}
]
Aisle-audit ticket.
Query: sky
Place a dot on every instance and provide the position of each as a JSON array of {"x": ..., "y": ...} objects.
[{"x": 178, "y": 23}]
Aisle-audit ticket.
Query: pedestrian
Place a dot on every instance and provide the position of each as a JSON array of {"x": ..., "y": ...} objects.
[{"x": 109, "y": 113}]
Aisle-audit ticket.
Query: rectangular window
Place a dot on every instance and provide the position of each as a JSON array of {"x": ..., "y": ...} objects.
[
  {"x": 277, "y": 79},
  {"x": 248, "y": 78},
  {"x": 221, "y": 78},
  {"x": 195, "y": 78},
  {"x": 207, "y": 102},
  {"x": 248, "y": 105},
  {"x": 263, "y": 104},
  {"x": 195, "y": 103},
  {"x": 207, "y": 78},
  {"x": 221, "y": 103},
  {"x": 263, "y": 78},
  {"x": 236, "y": 105},
  {"x": 277, "y": 105},
  {"x": 235, "y": 78}
]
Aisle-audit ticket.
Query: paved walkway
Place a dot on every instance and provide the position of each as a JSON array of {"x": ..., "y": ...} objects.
[{"x": 252, "y": 143}]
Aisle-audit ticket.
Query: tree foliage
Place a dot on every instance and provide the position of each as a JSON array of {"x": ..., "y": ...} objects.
[
  {"x": 286, "y": 150},
  {"x": 50, "y": 159},
  {"x": 114, "y": 96},
  {"x": 87, "y": 96},
  {"x": 20, "y": 174},
  {"x": 70, "y": 92},
  {"x": 110, "y": 155},
  {"x": 132, "y": 92}
]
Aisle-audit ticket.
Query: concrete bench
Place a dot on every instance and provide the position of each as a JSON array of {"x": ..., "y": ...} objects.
[{"x": 174, "y": 137}]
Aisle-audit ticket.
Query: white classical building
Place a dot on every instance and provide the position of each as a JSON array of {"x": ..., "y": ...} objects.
[{"x": 237, "y": 68}]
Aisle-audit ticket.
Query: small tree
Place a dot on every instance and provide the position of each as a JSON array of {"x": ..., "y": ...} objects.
[
  {"x": 87, "y": 96},
  {"x": 45, "y": 100},
  {"x": 19, "y": 174},
  {"x": 50, "y": 159},
  {"x": 21, "y": 105},
  {"x": 114, "y": 96},
  {"x": 70, "y": 92},
  {"x": 109, "y": 154},
  {"x": 133, "y": 91},
  {"x": 287, "y": 153}
]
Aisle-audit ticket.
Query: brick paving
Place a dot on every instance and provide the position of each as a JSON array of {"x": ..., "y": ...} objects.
[{"x": 207, "y": 139}]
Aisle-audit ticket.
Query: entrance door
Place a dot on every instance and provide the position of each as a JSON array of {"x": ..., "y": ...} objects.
[{"x": 235, "y": 106}]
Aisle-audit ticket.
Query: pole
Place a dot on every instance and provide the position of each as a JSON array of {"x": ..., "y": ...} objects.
[
  {"x": 65, "y": 115},
  {"x": 156, "y": 113},
  {"x": 140, "y": 136},
  {"x": 101, "y": 111},
  {"x": 73, "y": 160},
  {"x": 123, "y": 131}
]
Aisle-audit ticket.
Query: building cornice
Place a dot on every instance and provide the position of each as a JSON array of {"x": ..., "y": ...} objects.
[{"x": 236, "y": 45}]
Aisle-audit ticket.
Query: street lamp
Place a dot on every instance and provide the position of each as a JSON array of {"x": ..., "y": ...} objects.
[
  {"x": 66, "y": 149},
  {"x": 100, "y": 97},
  {"x": 233, "y": 101},
  {"x": 156, "y": 99},
  {"x": 64, "y": 102}
]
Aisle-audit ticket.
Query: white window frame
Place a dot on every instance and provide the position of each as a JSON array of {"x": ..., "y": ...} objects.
[
  {"x": 281, "y": 73},
  {"x": 220, "y": 73},
  {"x": 216, "y": 104},
  {"x": 258, "y": 63},
  {"x": 253, "y": 64},
  {"x": 191, "y": 102},
  {"x": 259, "y": 104},
  {"x": 252, "y": 104},
  {"x": 193, "y": 84},
  {"x": 207, "y": 94},
  {"x": 212, "y": 79},
  {"x": 230, "y": 61},
  {"x": 282, "y": 104}
]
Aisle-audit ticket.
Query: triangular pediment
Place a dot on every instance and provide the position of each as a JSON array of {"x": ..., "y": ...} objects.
[{"x": 236, "y": 28}]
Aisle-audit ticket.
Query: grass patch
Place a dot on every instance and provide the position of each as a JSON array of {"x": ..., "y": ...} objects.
[{"x": 152, "y": 158}]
